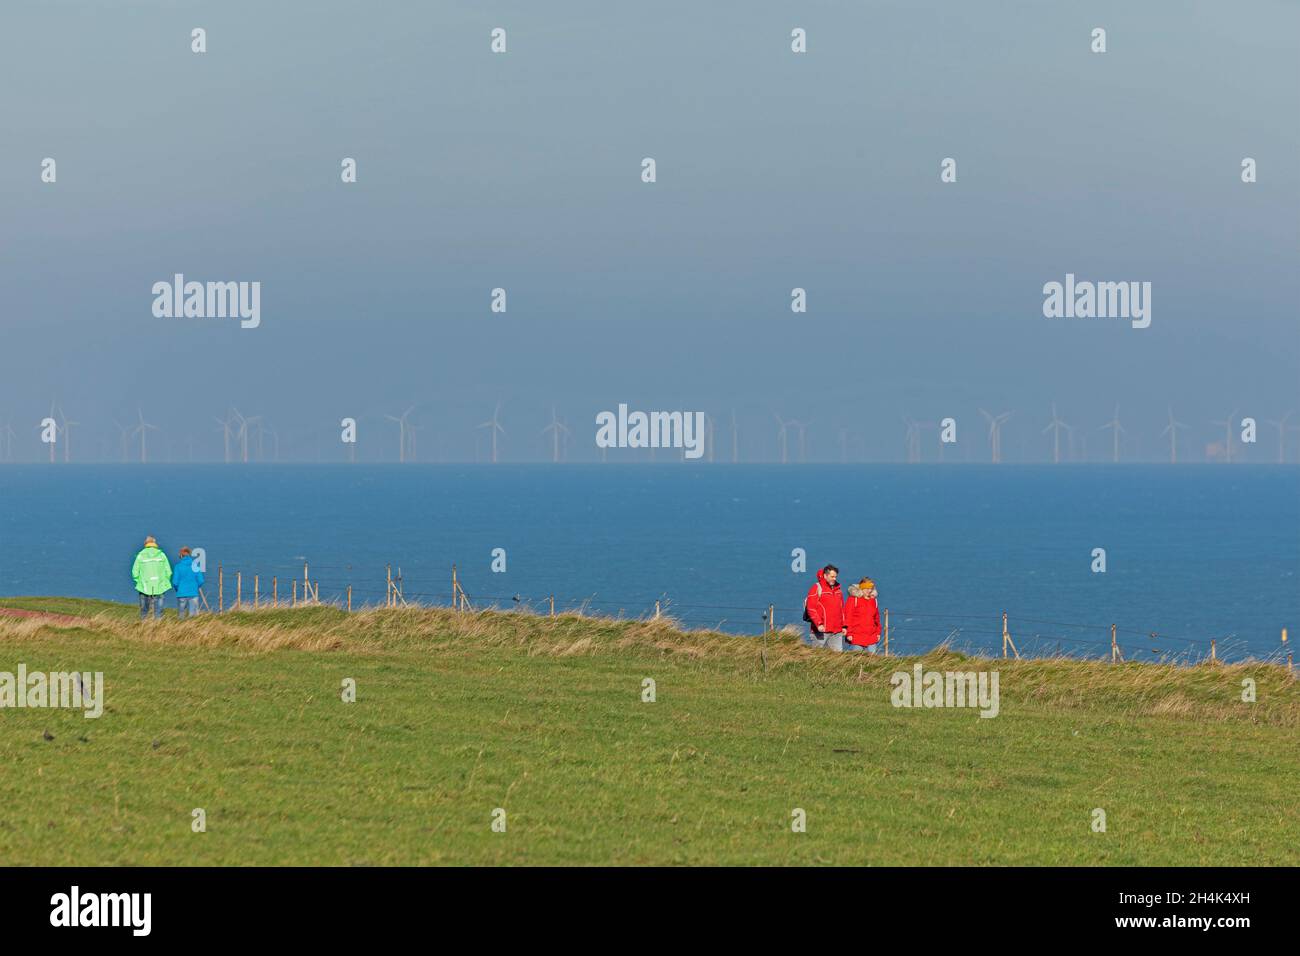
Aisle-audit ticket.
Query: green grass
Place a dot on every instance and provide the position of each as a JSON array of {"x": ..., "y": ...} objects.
[{"x": 460, "y": 714}]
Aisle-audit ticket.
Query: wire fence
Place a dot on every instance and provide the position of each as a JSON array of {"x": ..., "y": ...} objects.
[{"x": 904, "y": 632}]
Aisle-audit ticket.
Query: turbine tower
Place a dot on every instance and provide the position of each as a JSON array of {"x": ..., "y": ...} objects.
[
  {"x": 1116, "y": 430},
  {"x": 559, "y": 433},
  {"x": 256, "y": 420},
  {"x": 783, "y": 437},
  {"x": 1055, "y": 426},
  {"x": 493, "y": 425},
  {"x": 241, "y": 434},
  {"x": 67, "y": 435},
  {"x": 1281, "y": 427},
  {"x": 1172, "y": 431},
  {"x": 223, "y": 426},
  {"x": 143, "y": 430},
  {"x": 913, "y": 441},
  {"x": 1227, "y": 434},
  {"x": 995, "y": 433},
  {"x": 403, "y": 427},
  {"x": 123, "y": 437}
]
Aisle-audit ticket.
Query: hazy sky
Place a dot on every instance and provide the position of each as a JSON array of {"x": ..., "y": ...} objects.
[{"x": 522, "y": 170}]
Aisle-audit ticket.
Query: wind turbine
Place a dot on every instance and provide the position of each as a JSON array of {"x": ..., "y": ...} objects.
[
  {"x": 913, "y": 441},
  {"x": 1172, "y": 431},
  {"x": 995, "y": 433},
  {"x": 493, "y": 425},
  {"x": 143, "y": 430},
  {"x": 1055, "y": 426},
  {"x": 559, "y": 433},
  {"x": 1281, "y": 436},
  {"x": 122, "y": 436},
  {"x": 402, "y": 426},
  {"x": 256, "y": 420},
  {"x": 223, "y": 426},
  {"x": 1116, "y": 430},
  {"x": 67, "y": 435},
  {"x": 1227, "y": 434},
  {"x": 241, "y": 434},
  {"x": 783, "y": 437}
]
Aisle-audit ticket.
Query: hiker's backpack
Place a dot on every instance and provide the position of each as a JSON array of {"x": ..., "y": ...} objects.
[{"x": 806, "y": 616}]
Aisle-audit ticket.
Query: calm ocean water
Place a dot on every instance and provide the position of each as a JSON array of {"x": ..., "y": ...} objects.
[{"x": 1193, "y": 553}]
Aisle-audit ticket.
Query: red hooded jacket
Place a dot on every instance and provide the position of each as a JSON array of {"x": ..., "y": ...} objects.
[
  {"x": 825, "y": 604},
  {"x": 861, "y": 617}
]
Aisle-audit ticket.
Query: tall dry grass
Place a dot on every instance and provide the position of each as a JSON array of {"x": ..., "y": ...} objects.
[{"x": 1201, "y": 692}]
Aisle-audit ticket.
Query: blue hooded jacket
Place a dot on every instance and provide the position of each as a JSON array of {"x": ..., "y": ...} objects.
[{"x": 185, "y": 579}]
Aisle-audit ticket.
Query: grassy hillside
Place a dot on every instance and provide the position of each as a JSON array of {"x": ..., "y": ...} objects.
[{"x": 457, "y": 715}]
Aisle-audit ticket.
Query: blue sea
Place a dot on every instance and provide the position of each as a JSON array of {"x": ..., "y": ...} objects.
[{"x": 1192, "y": 553}]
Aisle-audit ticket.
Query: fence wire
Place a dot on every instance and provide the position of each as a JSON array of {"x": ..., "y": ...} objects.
[{"x": 908, "y": 630}]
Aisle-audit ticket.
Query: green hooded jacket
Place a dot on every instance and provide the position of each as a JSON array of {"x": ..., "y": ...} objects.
[{"x": 152, "y": 572}]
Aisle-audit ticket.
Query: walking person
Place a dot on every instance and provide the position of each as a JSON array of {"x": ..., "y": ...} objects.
[
  {"x": 187, "y": 580},
  {"x": 862, "y": 618},
  {"x": 152, "y": 574},
  {"x": 823, "y": 609}
]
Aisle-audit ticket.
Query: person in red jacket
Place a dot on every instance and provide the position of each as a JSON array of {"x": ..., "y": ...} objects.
[
  {"x": 862, "y": 617},
  {"x": 824, "y": 610}
]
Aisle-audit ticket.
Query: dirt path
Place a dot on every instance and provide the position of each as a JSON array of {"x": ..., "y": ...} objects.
[{"x": 43, "y": 615}]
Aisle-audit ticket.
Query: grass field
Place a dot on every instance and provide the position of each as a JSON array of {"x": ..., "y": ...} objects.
[{"x": 457, "y": 715}]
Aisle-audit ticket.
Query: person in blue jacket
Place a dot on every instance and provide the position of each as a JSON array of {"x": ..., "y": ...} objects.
[{"x": 187, "y": 581}]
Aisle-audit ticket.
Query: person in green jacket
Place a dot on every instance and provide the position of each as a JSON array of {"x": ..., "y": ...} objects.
[{"x": 152, "y": 574}]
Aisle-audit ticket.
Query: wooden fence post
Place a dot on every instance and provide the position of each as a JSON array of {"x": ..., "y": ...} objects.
[
  {"x": 256, "y": 592},
  {"x": 1115, "y": 656},
  {"x": 455, "y": 590},
  {"x": 1006, "y": 638},
  {"x": 306, "y": 586},
  {"x": 552, "y": 605},
  {"x": 275, "y": 590},
  {"x": 1214, "y": 654},
  {"x": 294, "y": 602},
  {"x": 771, "y": 618},
  {"x": 886, "y": 639},
  {"x": 656, "y": 610},
  {"x": 349, "y": 597},
  {"x": 221, "y": 590},
  {"x": 239, "y": 588}
]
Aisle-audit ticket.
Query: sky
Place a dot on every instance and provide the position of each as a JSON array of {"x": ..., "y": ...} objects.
[{"x": 523, "y": 170}]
